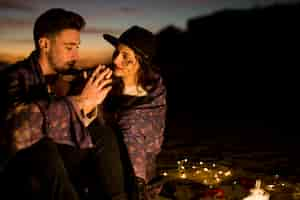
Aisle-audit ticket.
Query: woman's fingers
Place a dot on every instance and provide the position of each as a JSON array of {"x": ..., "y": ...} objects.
[
  {"x": 98, "y": 86},
  {"x": 102, "y": 76},
  {"x": 95, "y": 74}
]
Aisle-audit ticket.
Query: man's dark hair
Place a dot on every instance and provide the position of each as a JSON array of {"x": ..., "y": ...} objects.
[{"x": 54, "y": 21}]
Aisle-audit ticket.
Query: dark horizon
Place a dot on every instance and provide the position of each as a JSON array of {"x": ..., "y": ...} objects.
[{"x": 234, "y": 71}]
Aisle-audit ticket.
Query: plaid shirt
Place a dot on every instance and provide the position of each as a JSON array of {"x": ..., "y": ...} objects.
[{"x": 29, "y": 112}]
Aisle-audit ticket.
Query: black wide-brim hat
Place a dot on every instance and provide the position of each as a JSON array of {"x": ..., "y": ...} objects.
[{"x": 142, "y": 41}]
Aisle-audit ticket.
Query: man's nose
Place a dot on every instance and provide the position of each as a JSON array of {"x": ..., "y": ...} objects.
[{"x": 75, "y": 54}]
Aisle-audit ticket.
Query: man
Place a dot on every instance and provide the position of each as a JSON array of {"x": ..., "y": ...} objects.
[{"x": 50, "y": 153}]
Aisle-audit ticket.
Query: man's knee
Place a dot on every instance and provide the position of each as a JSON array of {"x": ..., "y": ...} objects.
[
  {"x": 103, "y": 136},
  {"x": 45, "y": 148},
  {"x": 40, "y": 158}
]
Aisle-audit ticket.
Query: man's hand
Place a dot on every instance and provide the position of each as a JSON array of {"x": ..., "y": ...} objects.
[{"x": 96, "y": 89}]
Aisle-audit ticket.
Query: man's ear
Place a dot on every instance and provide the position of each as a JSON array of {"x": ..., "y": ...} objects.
[{"x": 44, "y": 44}]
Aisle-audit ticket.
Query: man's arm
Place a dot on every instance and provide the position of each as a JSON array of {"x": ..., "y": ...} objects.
[
  {"x": 25, "y": 114},
  {"x": 27, "y": 117}
]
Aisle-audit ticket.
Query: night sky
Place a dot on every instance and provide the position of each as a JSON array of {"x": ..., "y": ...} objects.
[{"x": 114, "y": 16}]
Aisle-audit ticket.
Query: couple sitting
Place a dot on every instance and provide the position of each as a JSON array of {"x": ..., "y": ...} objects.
[{"x": 98, "y": 143}]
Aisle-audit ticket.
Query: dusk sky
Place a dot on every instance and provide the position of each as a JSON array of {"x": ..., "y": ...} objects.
[{"x": 114, "y": 16}]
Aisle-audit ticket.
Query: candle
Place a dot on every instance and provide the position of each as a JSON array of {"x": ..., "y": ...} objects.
[{"x": 257, "y": 193}]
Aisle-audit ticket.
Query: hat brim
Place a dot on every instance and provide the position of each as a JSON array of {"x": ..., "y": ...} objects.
[{"x": 111, "y": 39}]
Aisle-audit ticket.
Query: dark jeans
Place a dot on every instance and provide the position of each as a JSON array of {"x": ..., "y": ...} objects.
[{"x": 52, "y": 171}]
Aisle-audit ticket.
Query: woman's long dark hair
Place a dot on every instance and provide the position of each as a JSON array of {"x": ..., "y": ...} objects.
[{"x": 147, "y": 74}]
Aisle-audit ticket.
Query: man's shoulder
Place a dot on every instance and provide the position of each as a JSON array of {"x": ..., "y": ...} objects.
[{"x": 16, "y": 69}]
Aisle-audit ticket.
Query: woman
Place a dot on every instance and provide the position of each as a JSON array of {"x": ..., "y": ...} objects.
[{"x": 137, "y": 107}]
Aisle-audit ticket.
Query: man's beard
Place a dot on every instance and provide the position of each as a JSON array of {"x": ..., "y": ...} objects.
[
  {"x": 69, "y": 67},
  {"x": 61, "y": 69}
]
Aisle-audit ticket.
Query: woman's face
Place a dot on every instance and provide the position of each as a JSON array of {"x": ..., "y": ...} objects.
[{"x": 125, "y": 62}]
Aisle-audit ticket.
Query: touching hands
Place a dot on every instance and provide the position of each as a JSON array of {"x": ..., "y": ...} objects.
[{"x": 96, "y": 89}]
